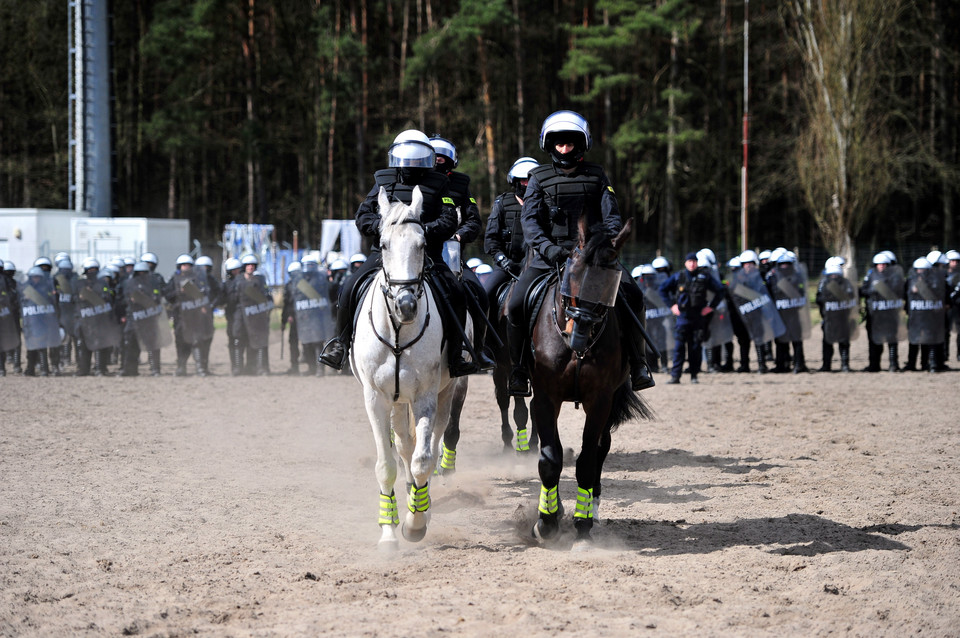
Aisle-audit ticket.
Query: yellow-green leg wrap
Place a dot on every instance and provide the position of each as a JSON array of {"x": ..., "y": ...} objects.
[
  {"x": 419, "y": 498},
  {"x": 523, "y": 440},
  {"x": 549, "y": 501},
  {"x": 388, "y": 510},
  {"x": 449, "y": 459},
  {"x": 584, "y": 503}
]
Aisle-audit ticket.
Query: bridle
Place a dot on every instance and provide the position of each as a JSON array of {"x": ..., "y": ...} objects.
[{"x": 416, "y": 287}]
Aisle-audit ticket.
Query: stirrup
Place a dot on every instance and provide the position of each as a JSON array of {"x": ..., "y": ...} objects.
[
  {"x": 519, "y": 385},
  {"x": 463, "y": 368},
  {"x": 641, "y": 379},
  {"x": 333, "y": 354}
]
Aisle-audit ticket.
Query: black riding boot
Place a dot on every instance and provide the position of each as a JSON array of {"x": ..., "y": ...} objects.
[
  {"x": 727, "y": 357},
  {"x": 893, "y": 355},
  {"x": 799, "y": 361},
  {"x": 932, "y": 358},
  {"x": 205, "y": 355},
  {"x": 198, "y": 360},
  {"x": 263, "y": 365},
  {"x": 709, "y": 360},
  {"x": 100, "y": 359},
  {"x": 236, "y": 358},
  {"x": 54, "y": 358},
  {"x": 761, "y": 360},
  {"x": 65, "y": 353},
  {"x": 844, "y": 357},
  {"x": 912, "y": 351},
  {"x": 83, "y": 360},
  {"x": 18, "y": 360},
  {"x": 182, "y": 357},
  {"x": 874, "y": 352},
  {"x": 744, "y": 357},
  {"x": 827, "y": 352},
  {"x": 519, "y": 385},
  {"x": 32, "y": 358},
  {"x": 153, "y": 360},
  {"x": 781, "y": 358},
  {"x": 44, "y": 363}
]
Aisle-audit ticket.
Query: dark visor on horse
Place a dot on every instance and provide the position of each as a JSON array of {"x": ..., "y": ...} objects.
[{"x": 592, "y": 284}]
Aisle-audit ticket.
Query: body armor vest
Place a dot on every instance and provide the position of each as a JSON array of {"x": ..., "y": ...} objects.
[
  {"x": 691, "y": 290},
  {"x": 430, "y": 185},
  {"x": 459, "y": 188},
  {"x": 511, "y": 235},
  {"x": 568, "y": 196}
]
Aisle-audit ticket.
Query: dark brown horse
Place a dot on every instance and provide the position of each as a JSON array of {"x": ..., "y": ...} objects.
[{"x": 579, "y": 357}]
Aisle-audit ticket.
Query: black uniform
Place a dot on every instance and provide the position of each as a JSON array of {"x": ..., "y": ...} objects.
[
  {"x": 503, "y": 240},
  {"x": 552, "y": 206},
  {"x": 439, "y": 224}
]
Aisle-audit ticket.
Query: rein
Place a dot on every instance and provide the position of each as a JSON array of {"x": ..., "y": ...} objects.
[{"x": 388, "y": 295}]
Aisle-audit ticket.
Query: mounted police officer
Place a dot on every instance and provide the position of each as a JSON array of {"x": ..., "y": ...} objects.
[
  {"x": 412, "y": 163},
  {"x": 692, "y": 310},
  {"x": 557, "y": 195},
  {"x": 468, "y": 229},
  {"x": 503, "y": 238}
]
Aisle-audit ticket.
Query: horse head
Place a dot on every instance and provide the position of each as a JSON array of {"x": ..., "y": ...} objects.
[{"x": 402, "y": 243}]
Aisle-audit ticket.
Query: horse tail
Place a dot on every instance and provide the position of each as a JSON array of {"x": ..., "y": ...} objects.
[{"x": 628, "y": 405}]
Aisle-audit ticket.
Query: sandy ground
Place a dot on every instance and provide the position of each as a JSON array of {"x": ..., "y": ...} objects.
[{"x": 825, "y": 504}]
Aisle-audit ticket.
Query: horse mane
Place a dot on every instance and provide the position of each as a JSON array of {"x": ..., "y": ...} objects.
[
  {"x": 398, "y": 213},
  {"x": 596, "y": 248}
]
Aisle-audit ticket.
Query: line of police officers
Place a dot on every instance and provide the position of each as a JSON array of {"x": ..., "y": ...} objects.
[
  {"x": 764, "y": 304},
  {"x": 110, "y": 315}
]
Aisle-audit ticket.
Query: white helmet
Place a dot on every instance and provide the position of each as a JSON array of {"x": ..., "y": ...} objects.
[
  {"x": 184, "y": 259},
  {"x": 294, "y": 266},
  {"x": 734, "y": 263},
  {"x": 150, "y": 258},
  {"x": 764, "y": 254},
  {"x": 565, "y": 122},
  {"x": 60, "y": 256},
  {"x": 232, "y": 264},
  {"x": 660, "y": 262},
  {"x": 473, "y": 262},
  {"x": 636, "y": 272},
  {"x": 141, "y": 266},
  {"x": 834, "y": 261},
  {"x": 129, "y": 261},
  {"x": 64, "y": 264},
  {"x": 833, "y": 268},
  {"x": 787, "y": 257},
  {"x": 339, "y": 264},
  {"x": 952, "y": 255},
  {"x": 484, "y": 269},
  {"x": 521, "y": 169},
  {"x": 702, "y": 261},
  {"x": 203, "y": 260},
  {"x": 309, "y": 258},
  {"x": 246, "y": 260},
  {"x": 358, "y": 258},
  {"x": 922, "y": 263},
  {"x": 9, "y": 266},
  {"x": 89, "y": 263},
  {"x": 43, "y": 261},
  {"x": 889, "y": 253},
  {"x": 881, "y": 258},
  {"x": 709, "y": 254},
  {"x": 936, "y": 257},
  {"x": 647, "y": 269},
  {"x": 749, "y": 255},
  {"x": 443, "y": 146},
  {"x": 411, "y": 149}
]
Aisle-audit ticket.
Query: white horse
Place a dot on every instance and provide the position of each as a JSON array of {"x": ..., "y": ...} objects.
[{"x": 397, "y": 358}]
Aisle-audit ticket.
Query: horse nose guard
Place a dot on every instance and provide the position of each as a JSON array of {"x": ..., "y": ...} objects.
[
  {"x": 407, "y": 306},
  {"x": 584, "y": 322}
]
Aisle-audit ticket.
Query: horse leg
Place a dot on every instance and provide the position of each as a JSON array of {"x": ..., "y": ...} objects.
[
  {"x": 378, "y": 411},
  {"x": 528, "y": 435},
  {"x": 503, "y": 402},
  {"x": 451, "y": 434},
  {"x": 551, "y": 464},
  {"x": 588, "y": 464},
  {"x": 425, "y": 445},
  {"x": 602, "y": 450}
]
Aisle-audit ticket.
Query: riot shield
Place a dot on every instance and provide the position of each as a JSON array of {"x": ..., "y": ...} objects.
[
  {"x": 147, "y": 315},
  {"x": 67, "y": 307},
  {"x": 884, "y": 292},
  {"x": 256, "y": 305},
  {"x": 660, "y": 319},
  {"x": 99, "y": 327},
  {"x": 926, "y": 306},
  {"x": 41, "y": 327},
  {"x": 721, "y": 328},
  {"x": 840, "y": 310},
  {"x": 195, "y": 314},
  {"x": 9, "y": 332},
  {"x": 789, "y": 288},
  {"x": 312, "y": 307},
  {"x": 755, "y": 306}
]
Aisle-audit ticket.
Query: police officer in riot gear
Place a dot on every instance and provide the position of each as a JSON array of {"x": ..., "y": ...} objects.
[
  {"x": 288, "y": 317},
  {"x": 689, "y": 287},
  {"x": 503, "y": 239},
  {"x": 557, "y": 195},
  {"x": 412, "y": 163},
  {"x": 232, "y": 267},
  {"x": 468, "y": 229},
  {"x": 13, "y": 355}
]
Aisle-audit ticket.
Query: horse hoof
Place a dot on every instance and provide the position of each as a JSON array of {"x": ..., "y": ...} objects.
[
  {"x": 543, "y": 533},
  {"x": 413, "y": 535},
  {"x": 391, "y": 546}
]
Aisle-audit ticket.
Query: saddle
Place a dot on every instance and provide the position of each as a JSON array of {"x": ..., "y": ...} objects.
[{"x": 535, "y": 297}]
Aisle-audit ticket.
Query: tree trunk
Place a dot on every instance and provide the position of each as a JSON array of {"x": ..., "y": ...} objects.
[
  {"x": 332, "y": 124},
  {"x": 518, "y": 67},
  {"x": 487, "y": 118},
  {"x": 670, "y": 195},
  {"x": 248, "y": 54},
  {"x": 172, "y": 187}
]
